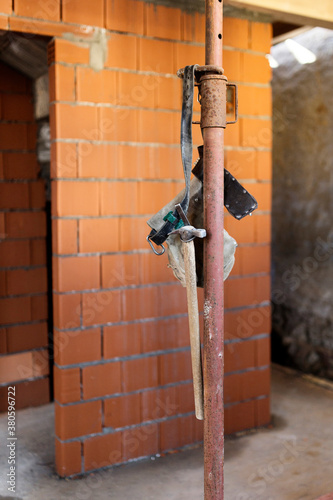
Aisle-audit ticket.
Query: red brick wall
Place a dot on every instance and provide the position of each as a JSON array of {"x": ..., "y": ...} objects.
[
  {"x": 23, "y": 279},
  {"x": 122, "y": 360}
]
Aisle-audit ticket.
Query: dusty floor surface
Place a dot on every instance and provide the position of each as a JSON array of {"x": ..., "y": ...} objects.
[{"x": 291, "y": 461}]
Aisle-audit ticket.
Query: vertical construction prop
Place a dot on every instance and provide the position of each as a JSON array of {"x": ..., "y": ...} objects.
[{"x": 213, "y": 122}]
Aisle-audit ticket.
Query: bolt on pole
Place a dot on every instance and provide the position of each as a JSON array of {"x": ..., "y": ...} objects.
[{"x": 213, "y": 122}]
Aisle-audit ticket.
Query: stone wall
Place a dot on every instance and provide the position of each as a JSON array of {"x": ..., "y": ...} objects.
[{"x": 302, "y": 248}]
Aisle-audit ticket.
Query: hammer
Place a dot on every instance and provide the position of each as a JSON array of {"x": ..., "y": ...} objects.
[{"x": 187, "y": 234}]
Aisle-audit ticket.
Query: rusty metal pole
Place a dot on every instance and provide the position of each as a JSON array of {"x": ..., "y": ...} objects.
[{"x": 213, "y": 111}]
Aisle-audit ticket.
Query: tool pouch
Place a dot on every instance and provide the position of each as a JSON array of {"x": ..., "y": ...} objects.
[
  {"x": 195, "y": 217},
  {"x": 237, "y": 200}
]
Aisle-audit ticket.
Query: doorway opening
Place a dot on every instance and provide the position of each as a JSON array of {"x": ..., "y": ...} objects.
[{"x": 26, "y": 318}]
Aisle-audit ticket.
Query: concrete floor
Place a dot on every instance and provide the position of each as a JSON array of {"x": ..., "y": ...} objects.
[{"x": 290, "y": 461}]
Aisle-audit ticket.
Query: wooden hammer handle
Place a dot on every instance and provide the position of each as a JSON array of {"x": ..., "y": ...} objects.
[{"x": 193, "y": 318}]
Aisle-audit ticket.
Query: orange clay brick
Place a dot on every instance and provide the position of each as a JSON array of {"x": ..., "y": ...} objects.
[
  {"x": 98, "y": 160},
  {"x": 67, "y": 310},
  {"x": 121, "y": 340},
  {"x": 96, "y": 86},
  {"x": 13, "y": 136},
  {"x": 165, "y": 334},
  {"x": 247, "y": 322},
  {"x": 255, "y": 100},
  {"x": 160, "y": 403},
  {"x": 137, "y": 162},
  {"x": 127, "y": 17},
  {"x": 139, "y": 374},
  {"x": 137, "y": 90},
  {"x": 193, "y": 27},
  {"x": 122, "y": 411},
  {"x": 6, "y": 6},
  {"x": 122, "y": 52},
  {"x": 239, "y": 417},
  {"x": 74, "y": 122},
  {"x": 99, "y": 235},
  {"x": 262, "y": 412},
  {"x": 25, "y": 224},
  {"x": 67, "y": 458},
  {"x": 177, "y": 432},
  {"x": 168, "y": 128},
  {"x": 37, "y": 194},
  {"x": 236, "y": 32},
  {"x": 260, "y": 37},
  {"x": 154, "y": 195},
  {"x": 242, "y": 230},
  {"x": 168, "y": 162},
  {"x": 101, "y": 380},
  {"x": 69, "y": 52},
  {"x": 4, "y": 22},
  {"x": 75, "y": 347},
  {"x": 52, "y": 28},
  {"x": 32, "y": 393},
  {"x": 264, "y": 165},
  {"x": 152, "y": 271},
  {"x": 101, "y": 308},
  {"x": 40, "y": 363},
  {"x": 17, "y": 107},
  {"x": 240, "y": 356},
  {"x": 26, "y": 337},
  {"x": 241, "y": 164},
  {"x": 118, "y": 124},
  {"x": 255, "y": 68},
  {"x": 256, "y": 133},
  {"x": 172, "y": 300},
  {"x": 14, "y": 195},
  {"x": 3, "y": 285},
  {"x": 186, "y": 54},
  {"x": 262, "y": 191},
  {"x": 157, "y": 56},
  {"x": 255, "y": 383},
  {"x": 169, "y": 93},
  {"x": 102, "y": 451},
  {"x": 63, "y": 160},
  {"x": 140, "y": 442},
  {"x": 245, "y": 291},
  {"x": 64, "y": 236},
  {"x": 119, "y": 198},
  {"x": 263, "y": 354},
  {"x": 75, "y": 198},
  {"x": 75, "y": 273},
  {"x": 62, "y": 83},
  {"x": 232, "y": 134},
  {"x": 83, "y": 12},
  {"x": 140, "y": 303},
  {"x": 175, "y": 367},
  {"x": 78, "y": 420},
  {"x": 46, "y": 10},
  {"x": 20, "y": 166},
  {"x": 39, "y": 307},
  {"x": 13, "y": 81},
  {"x": 163, "y": 22},
  {"x": 38, "y": 252},
  {"x": 133, "y": 233},
  {"x": 254, "y": 259},
  {"x": 232, "y": 65},
  {"x": 16, "y": 367},
  {"x": 2, "y": 225},
  {"x": 120, "y": 270},
  {"x": 26, "y": 281},
  {"x": 263, "y": 228},
  {"x": 66, "y": 385}
]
